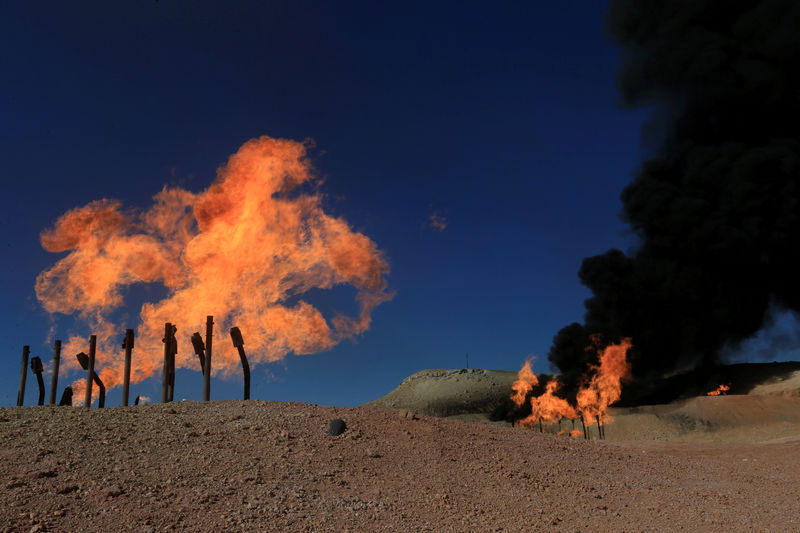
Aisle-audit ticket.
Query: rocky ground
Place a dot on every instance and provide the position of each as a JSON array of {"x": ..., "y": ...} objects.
[{"x": 268, "y": 466}]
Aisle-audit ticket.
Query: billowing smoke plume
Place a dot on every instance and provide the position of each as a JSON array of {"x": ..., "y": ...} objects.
[
  {"x": 717, "y": 208},
  {"x": 245, "y": 250}
]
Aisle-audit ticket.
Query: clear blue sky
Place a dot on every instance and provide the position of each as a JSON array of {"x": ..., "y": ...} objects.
[{"x": 503, "y": 119}]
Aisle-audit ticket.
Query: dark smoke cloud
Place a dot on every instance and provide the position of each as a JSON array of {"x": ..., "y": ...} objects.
[{"x": 716, "y": 209}]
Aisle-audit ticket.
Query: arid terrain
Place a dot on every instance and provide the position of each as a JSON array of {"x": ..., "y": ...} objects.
[{"x": 270, "y": 466}]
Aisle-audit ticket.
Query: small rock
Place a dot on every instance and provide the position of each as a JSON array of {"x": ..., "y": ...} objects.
[
  {"x": 66, "y": 489},
  {"x": 39, "y": 474},
  {"x": 336, "y": 427},
  {"x": 113, "y": 491},
  {"x": 373, "y": 454}
]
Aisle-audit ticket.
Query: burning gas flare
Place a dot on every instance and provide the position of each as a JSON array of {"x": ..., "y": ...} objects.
[
  {"x": 602, "y": 386},
  {"x": 722, "y": 390},
  {"x": 548, "y": 407},
  {"x": 526, "y": 381},
  {"x": 245, "y": 251}
]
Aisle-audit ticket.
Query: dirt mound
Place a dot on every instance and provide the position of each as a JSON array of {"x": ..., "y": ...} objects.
[
  {"x": 269, "y": 466},
  {"x": 443, "y": 392},
  {"x": 787, "y": 385},
  {"x": 737, "y": 418},
  {"x": 769, "y": 410}
]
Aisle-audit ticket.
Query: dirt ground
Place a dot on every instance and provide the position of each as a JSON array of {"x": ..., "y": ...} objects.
[{"x": 269, "y": 466}]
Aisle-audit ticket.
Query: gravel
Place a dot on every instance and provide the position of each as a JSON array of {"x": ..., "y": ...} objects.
[{"x": 270, "y": 466}]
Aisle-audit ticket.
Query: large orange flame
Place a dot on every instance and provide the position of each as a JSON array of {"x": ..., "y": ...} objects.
[
  {"x": 604, "y": 387},
  {"x": 722, "y": 390},
  {"x": 245, "y": 251},
  {"x": 548, "y": 407},
  {"x": 601, "y": 387},
  {"x": 526, "y": 381}
]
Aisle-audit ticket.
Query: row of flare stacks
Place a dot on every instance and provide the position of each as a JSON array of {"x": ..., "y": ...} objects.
[
  {"x": 203, "y": 349},
  {"x": 601, "y": 386}
]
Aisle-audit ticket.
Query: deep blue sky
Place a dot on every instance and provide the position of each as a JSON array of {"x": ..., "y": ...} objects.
[{"x": 501, "y": 118}]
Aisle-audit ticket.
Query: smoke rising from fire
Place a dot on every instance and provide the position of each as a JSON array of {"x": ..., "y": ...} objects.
[
  {"x": 245, "y": 251},
  {"x": 716, "y": 209}
]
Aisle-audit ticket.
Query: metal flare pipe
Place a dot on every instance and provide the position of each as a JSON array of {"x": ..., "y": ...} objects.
[
  {"x": 37, "y": 368},
  {"x": 56, "y": 364},
  {"x": 127, "y": 344},
  {"x": 238, "y": 343},
  {"x": 66, "y": 397},
  {"x": 26, "y": 350},
  {"x": 86, "y": 363},
  {"x": 91, "y": 376},
  {"x": 200, "y": 350},
  {"x": 207, "y": 362},
  {"x": 165, "y": 369}
]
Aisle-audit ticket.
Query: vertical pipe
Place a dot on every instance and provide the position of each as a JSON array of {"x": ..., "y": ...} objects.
[
  {"x": 83, "y": 359},
  {"x": 26, "y": 350},
  {"x": 87, "y": 402},
  {"x": 585, "y": 432},
  {"x": 540, "y": 426},
  {"x": 238, "y": 343},
  {"x": 101, "y": 402},
  {"x": 173, "y": 350},
  {"x": 37, "y": 369},
  {"x": 599, "y": 427},
  {"x": 207, "y": 371},
  {"x": 246, "y": 371},
  {"x": 56, "y": 364},
  {"x": 165, "y": 370},
  {"x": 126, "y": 384}
]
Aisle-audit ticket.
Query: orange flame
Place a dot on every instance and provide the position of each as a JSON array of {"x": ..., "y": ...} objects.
[
  {"x": 548, "y": 408},
  {"x": 722, "y": 390},
  {"x": 597, "y": 393},
  {"x": 243, "y": 250},
  {"x": 526, "y": 381},
  {"x": 605, "y": 385}
]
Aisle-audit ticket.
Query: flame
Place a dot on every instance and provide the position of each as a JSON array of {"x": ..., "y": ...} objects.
[
  {"x": 605, "y": 385},
  {"x": 575, "y": 433},
  {"x": 602, "y": 386},
  {"x": 548, "y": 408},
  {"x": 722, "y": 390},
  {"x": 526, "y": 381},
  {"x": 245, "y": 251}
]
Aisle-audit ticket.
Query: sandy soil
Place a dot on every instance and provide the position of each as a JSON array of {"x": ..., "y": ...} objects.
[
  {"x": 698, "y": 464},
  {"x": 268, "y": 466}
]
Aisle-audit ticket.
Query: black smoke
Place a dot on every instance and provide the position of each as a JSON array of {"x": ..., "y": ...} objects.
[{"x": 716, "y": 208}]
